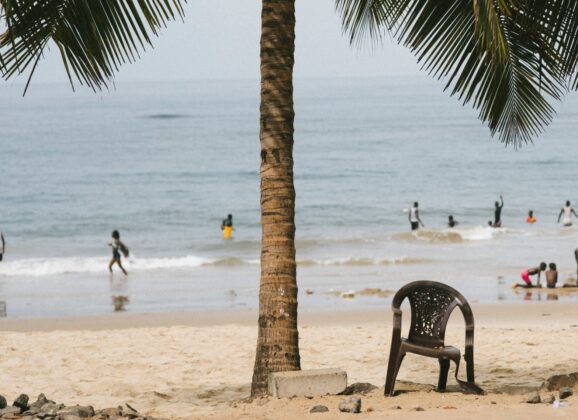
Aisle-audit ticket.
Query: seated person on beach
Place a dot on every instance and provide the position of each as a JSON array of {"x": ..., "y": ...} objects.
[
  {"x": 452, "y": 222},
  {"x": 531, "y": 218},
  {"x": 567, "y": 212},
  {"x": 551, "y": 276},
  {"x": 227, "y": 227},
  {"x": 536, "y": 271}
]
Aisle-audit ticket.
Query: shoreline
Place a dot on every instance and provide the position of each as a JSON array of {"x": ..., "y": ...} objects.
[{"x": 486, "y": 314}]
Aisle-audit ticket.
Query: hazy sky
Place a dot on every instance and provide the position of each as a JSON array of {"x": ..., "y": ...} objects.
[{"x": 220, "y": 40}]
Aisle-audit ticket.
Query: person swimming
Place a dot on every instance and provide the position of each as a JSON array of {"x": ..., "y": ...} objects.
[
  {"x": 227, "y": 227},
  {"x": 567, "y": 211},
  {"x": 531, "y": 218},
  {"x": 532, "y": 272},
  {"x": 117, "y": 248},
  {"x": 413, "y": 217},
  {"x": 452, "y": 222},
  {"x": 498, "y": 212}
]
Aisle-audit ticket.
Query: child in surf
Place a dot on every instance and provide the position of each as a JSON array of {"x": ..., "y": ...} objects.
[
  {"x": 551, "y": 276},
  {"x": 535, "y": 271},
  {"x": 117, "y": 248}
]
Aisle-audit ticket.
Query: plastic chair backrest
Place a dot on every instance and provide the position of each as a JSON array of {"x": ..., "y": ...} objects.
[{"x": 431, "y": 304}]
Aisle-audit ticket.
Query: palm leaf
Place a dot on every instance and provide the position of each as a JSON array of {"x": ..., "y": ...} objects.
[
  {"x": 508, "y": 58},
  {"x": 94, "y": 37}
]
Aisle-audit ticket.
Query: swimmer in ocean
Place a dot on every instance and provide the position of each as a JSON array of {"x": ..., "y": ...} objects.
[
  {"x": 531, "y": 218},
  {"x": 498, "y": 213},
  {"x": 452, "y": 222},
  {"x": 117, "y": 248},
  {"x": 567, "y": 212},
  {"x": 227, "y": 227}
]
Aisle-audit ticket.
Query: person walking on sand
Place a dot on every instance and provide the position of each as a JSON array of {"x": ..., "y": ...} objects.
[
  {"x": 227, "y": 227},
  {"x": 117, "y": 248},
  {"x": 532, "y": 272},
  {"x": 498, "y": 213},
  {"x": 413, "y": 217},
  {"x": 567, "y": 211}
]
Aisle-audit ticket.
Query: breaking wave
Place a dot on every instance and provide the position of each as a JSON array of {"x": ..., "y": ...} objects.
[
  {"x": 37, "y": 267},
  {"x": 452, "y": 236},
  {"x": 363, "y": 261}
]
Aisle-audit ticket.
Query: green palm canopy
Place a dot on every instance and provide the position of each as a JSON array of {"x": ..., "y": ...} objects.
[
  {"x": 94, "y": 37},
  {"x": 508, "y": 58}
]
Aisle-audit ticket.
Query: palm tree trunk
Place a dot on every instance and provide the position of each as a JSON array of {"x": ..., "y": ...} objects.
[{"x": 278, "y": 340}]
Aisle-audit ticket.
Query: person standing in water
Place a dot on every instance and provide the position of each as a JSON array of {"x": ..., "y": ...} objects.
[
  {"x": 3, "y": 249},
  {"x": 452, "y": 222},
  {"x": 567, "y": 211},
  {"x": 117, "y": 248},
  {"x": 227, "y": 227},
  {"x": 498, "y": 213},
  {"x": 413, "y": 217},
  {"x": 531, "y": 218},
  {"x": 576, "y": 256}
]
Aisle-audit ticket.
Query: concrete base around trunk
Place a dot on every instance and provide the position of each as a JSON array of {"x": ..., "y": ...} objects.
[{"x": 307, "y": 383}]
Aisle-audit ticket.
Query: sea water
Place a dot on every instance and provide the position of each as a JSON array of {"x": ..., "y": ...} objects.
[{"x": 164, "y": 163}]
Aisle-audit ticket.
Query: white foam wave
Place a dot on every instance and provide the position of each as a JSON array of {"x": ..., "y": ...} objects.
[
  {"x": 363, "y": 261},
  {"x": 36, "y": 267},
  {"x": 479, "y": 233}
]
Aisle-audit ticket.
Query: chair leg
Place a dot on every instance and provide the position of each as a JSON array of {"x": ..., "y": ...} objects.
[
  {"x": 469, "y": 357},
  {"x": 444, "y": 370},
  {"x": 395, "y": 360}
]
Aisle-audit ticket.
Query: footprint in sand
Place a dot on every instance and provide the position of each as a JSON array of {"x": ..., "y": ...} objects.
[{"x": 505, "y": 371}]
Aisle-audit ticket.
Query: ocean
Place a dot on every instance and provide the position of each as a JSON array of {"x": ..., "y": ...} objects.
[{"x": 164, "y": 163}]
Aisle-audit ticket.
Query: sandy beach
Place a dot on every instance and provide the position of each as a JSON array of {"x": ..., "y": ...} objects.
[{"x": 199, "y": 365}]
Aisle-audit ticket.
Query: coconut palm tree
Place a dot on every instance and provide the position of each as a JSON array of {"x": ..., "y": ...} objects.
[{"x": 509, "y": 58}]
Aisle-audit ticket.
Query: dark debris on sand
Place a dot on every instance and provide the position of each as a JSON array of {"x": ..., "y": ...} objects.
[{"x": 45, "y": 409}]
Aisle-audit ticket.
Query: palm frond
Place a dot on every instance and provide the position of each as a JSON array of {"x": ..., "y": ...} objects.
[
  {"x": 94, "y": 37},
  {"x": 508, "y": 58},
  {"x": 366, "y": 19}
]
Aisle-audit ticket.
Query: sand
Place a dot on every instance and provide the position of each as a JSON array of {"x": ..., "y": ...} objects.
[{"x": 198, "y": 366}]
